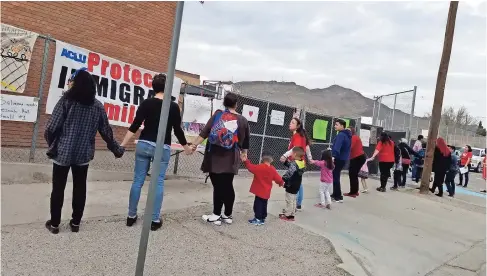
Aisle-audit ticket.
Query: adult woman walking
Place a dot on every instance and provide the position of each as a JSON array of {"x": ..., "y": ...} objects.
[
  {"x": 441, "y": 164},
  {"x": 357, "y": 160},
  {"x": 298, "y": 139},
  {"x": 465, "y": 160},
  {"x": 149, "y": 113},
  {"x": 70, "y": 135},
  {"x": 228, "y": 138},
  {"x": 385, "y": 150},
  {"x": 405, "y": 151}
]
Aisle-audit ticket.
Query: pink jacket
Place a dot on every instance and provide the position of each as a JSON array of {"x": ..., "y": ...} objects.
[
  {"x": 326, "y": 174},
  {"x": 365, "y": 168}
]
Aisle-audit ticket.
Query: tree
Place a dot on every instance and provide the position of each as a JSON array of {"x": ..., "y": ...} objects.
[{"x": 481, "y": 130}]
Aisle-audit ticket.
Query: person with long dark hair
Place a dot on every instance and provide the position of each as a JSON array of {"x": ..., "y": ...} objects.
[
  {"x": 149, "y": 113},
  {"x": 70, "y": 135},
  {"x": 385, "y": 150},
  {"x": 228, "y": 136},
  {"x": 465, "y": 161},
  {"x": 298, "y": 139},
  {"x": 357, "y": 160},
  {"x": 441, "y": 164}
]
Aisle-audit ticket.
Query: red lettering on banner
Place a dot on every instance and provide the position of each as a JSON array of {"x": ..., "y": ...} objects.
[
  {"x": 126, "y": 72},
  {"x": 124, "y": 114},
  {"x": 93, "y": 60},
  {"x": 104, "y": 67},
  {"x": 148, "y": 80},
  {"x": 113, "y": 111},
  {"x": 116, "y": 71},
  {"x": 136, "y": 77}
]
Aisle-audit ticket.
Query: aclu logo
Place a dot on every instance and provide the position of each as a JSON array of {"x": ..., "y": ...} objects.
[{"x": 74, "y": 56}]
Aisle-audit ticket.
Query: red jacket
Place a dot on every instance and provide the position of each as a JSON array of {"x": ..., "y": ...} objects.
[
  {"x": 357, "y": 148},
  {"x": 263, "y": 177}
]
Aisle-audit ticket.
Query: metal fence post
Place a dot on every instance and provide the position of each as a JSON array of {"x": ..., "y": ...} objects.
[
  {"x": 331, "y": 131},
  {"x": 373, "y": 113},
  {"x": 40, "y": 93},
  {"x": 411, "y": 115},
  {"x": 265, "y": 128},
  {"x": 393, "y": 112},
  {"x": 358, "y": 125}
]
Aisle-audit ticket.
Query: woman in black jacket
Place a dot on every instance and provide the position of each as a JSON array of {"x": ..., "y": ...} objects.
[
  {"x": 441, "y": 164},
  {"x": 406, "y": 151}
]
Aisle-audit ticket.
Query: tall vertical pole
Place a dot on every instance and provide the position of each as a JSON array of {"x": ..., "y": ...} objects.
[
  {"x": 265, "y": 128},
  {"x": 378, "y": 110},
  {"x": 373, "y": 112},
  {"x": 411, "y": 115},
  {"x": 393, "y": 111},
  {"x": 439, "y": 93},
  {"x": 161, "y": 134},
  {"x": 40, "y": 94}
]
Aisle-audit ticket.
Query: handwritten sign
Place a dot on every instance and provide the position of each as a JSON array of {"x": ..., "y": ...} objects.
[
  {"x": 277, "y": 117},
  {"x": 19, "y": 108},
  {"x": 365, "y": 137}
]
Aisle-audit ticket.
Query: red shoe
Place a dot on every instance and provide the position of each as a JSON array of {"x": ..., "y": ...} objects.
[
  {"x": 351, "y": 195},
  {"x": 319, "y": 205},
  {"x": 287, "y": 218}
]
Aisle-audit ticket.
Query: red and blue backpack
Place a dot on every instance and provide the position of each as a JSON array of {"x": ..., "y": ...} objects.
[{"x": 220, "y": 135}]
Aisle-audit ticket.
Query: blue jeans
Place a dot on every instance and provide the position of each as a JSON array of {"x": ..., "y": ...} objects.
[
  {"x": 144, "y": 153},
  {"x": 300, "y": 196}
]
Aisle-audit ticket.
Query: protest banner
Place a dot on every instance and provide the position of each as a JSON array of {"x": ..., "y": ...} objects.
[{"x": 121, "y": 87}]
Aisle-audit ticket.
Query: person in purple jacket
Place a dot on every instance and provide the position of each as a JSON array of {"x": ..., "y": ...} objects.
[{"x": 341, "y": 153}]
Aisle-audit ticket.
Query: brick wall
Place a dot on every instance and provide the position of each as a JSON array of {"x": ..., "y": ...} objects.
[{"x": 138, "y": 33}]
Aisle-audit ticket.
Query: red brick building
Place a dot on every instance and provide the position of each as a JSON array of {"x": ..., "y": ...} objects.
[{"x": 138, "y": 33}]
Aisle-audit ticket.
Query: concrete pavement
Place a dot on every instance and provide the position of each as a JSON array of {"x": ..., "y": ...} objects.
[{"x": 393, "y": 233}]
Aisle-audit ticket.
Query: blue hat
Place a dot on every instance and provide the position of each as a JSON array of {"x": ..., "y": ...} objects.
[{"x": 76, "y": 73}]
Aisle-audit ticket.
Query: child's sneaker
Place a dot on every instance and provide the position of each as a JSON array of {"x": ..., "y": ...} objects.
[
  {"x": 328, "y": 206},
  {"x": 286, "y": 218},
  {"x": 227, "y": 220},
  {"x": 365, "y": 191},
  {"x": 255, "y": 221},
  {"x": 213, "y": 219}
]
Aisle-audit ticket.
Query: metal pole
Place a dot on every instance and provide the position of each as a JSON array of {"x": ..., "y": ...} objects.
[
  {"x": 411, "y": 116},
  {"x": 263, "y": 136},
  {"x": 373, "y": 112},
  {"x": 393, "y": 111},
  {"x": 378, "y": 111},
  {"x": 161, "y": 134},
  {"x": 40, "y": 93},
  {"x": 331, "y": 131}
]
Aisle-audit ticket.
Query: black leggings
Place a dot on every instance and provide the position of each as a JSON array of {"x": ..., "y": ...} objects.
[
  {"x": 466, "y": 177},
  {"x": 223, "y": 193},
  {"x": 353, "y": 170},
  {"x": 59, "y": 179},
  {"x": 405, "y": 169},
  {"x": 385, "y": 172}
]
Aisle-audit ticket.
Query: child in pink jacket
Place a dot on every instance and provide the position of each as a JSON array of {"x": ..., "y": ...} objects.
[{"x": 326, "y": 180}]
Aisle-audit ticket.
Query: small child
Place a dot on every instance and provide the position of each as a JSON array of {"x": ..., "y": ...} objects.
[
  {"x": 364, "y": 174},
  {"x": 292, "y": 182},
  {"x": 397, "y": 168},
  {"x": 264, "y": 174},
  {"x": 326, "y": 179}
]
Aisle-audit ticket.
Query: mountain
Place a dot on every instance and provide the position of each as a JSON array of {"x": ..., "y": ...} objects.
[{"x": 334, "y": 100}]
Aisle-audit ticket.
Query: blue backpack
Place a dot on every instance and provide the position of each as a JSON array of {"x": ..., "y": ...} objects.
[
  {"x": 224, "y": 131},
  {"x": 420, "y": 160}
]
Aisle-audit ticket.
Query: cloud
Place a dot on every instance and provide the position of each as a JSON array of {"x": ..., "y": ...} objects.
[{"x": 374, "y": 48}]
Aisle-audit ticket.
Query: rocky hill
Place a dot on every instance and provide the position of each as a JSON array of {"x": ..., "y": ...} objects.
[{"x": 334, "y": 100}]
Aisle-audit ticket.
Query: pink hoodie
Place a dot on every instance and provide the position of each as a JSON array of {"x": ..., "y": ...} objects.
[{"x": 326, "y": 174}]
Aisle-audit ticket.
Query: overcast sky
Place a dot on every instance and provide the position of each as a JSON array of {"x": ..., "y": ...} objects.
[{"x": 374, "y": 48}]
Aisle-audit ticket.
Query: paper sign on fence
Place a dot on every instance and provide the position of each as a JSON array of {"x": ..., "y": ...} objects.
[
  {"x": 197, "y": 109},
  {"x": 277, "y": 117},
  {"x": 250, "y": 112},
  {"x": 365, "y": 137},
  {"x": 19, "y": 108}
]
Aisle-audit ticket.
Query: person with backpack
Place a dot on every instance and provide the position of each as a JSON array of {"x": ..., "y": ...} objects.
[
  {"x": 419, "y": 163},
  {"x": 70, "y": 135},
  {"x": 228, "y": 136},
  {"x": 149, "y": 113},
  {"x": 452, "y": 172}
]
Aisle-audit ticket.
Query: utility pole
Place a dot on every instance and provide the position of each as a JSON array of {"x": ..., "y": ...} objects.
[{"x": 439, "y": 93}]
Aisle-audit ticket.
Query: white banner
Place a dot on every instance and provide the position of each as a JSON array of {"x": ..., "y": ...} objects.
[
  {"x": 121, "y": 87},
  {"x": 19, "y": 108},
  {"x": 17, "y": 48},
  {"x": 197, "y": 109}
]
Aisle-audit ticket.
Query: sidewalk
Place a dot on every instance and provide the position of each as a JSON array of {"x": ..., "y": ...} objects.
[{"x": 383, "y": 234}]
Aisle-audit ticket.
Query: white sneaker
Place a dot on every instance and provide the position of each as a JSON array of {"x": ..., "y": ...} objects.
[
  {"x": 213, "y": 219},
  {"x": 365, "y": 191},
  {"x": 226, "y": 219}
]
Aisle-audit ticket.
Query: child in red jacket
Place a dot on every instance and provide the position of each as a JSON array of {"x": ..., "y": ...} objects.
[{"x": 264, "y": 174}]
